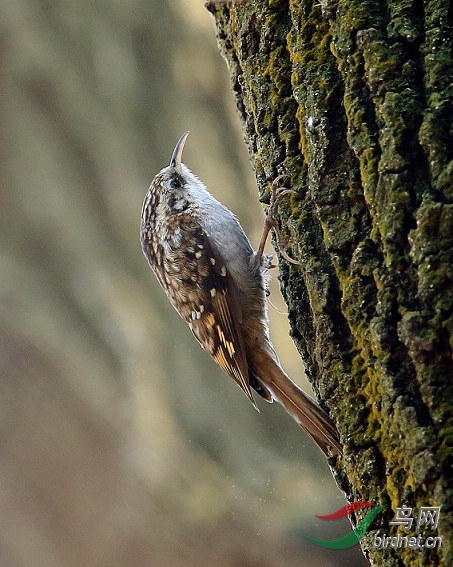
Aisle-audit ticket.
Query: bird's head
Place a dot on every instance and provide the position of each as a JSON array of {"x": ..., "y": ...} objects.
[
  {"x": 176, "y": 177},
  {"x": 176, "y": 185}
]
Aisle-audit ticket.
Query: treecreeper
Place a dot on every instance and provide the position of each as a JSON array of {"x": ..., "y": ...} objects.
[{"x": 217, "y": 283}]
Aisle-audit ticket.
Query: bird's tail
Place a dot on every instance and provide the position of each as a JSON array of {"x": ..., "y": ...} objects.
[{"x": 301, "y": 407}]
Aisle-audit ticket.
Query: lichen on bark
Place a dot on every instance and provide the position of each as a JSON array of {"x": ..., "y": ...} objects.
[{"x": 353, "y": 100}]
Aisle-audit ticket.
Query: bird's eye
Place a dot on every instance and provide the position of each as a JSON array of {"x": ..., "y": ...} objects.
[{"x": 175, "y": 183}]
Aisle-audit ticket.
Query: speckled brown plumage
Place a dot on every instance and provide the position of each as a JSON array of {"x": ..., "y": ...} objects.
[{"x": 213, "y": 278}]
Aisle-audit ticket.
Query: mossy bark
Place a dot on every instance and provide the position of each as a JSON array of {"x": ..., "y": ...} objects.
[{"x": 353, "y": 101}]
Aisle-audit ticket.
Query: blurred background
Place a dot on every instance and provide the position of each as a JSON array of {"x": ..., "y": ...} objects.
[{"x": 121, "y": 443}]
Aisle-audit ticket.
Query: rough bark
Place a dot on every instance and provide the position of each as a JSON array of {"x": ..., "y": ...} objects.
[{"x": 353, "y": 101}]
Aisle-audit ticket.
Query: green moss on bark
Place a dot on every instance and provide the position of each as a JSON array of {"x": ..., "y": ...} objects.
[{"x": 353, "y": 100}]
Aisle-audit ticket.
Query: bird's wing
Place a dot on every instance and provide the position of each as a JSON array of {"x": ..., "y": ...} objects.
[{"x": 216, "y": 322}]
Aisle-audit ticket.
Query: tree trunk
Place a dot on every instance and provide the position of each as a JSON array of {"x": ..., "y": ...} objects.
[{"x": 352, "y": 101}]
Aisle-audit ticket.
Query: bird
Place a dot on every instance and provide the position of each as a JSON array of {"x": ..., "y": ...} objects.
[{"x": 217, "y": 283}]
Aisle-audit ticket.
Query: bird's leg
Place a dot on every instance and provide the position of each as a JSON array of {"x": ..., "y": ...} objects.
[{"x": 276, "y": 194}]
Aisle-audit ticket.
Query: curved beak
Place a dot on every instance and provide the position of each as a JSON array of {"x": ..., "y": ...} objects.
[{"x": 177, "y": 153}]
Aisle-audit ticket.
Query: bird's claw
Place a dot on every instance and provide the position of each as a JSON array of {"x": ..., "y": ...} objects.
[{"x": 276, "y": 195}]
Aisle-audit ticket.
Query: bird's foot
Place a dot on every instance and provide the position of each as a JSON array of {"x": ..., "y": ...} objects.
[{"x": 276, "y": 195}]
